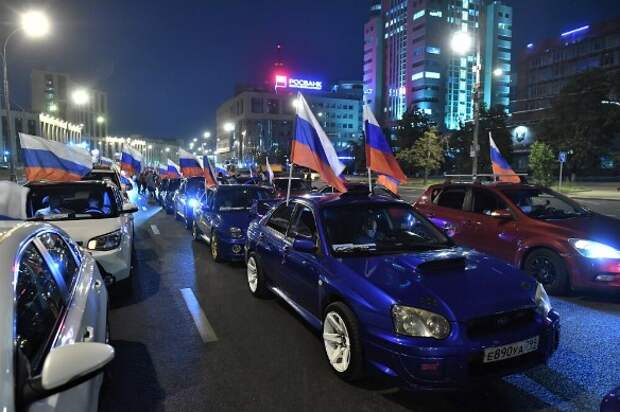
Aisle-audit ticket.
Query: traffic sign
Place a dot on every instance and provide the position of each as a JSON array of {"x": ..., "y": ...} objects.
[{"x": 562, "y": 157}]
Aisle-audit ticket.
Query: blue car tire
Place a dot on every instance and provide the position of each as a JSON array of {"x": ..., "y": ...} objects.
[
  {"x": 256, "y": 279},
  {"x": 341, "y": 339},
  {"x": 215, "y": 249},
  {"x": 196, "y": 235}
]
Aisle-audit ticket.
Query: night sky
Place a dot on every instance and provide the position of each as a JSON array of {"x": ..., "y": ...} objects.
[{"x": 167, "y": 65}]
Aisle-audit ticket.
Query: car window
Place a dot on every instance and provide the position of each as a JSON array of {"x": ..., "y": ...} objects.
[
  {"x": 62, "y": 257},
  {"x": 486, "y": 202},
  {"x": 452, "y": 198},
  {"x": 39, "y": 307},
  {"x": 72, "y": 201},
  {"x": 544, "y": 204},
  {"x": 303, "y": 224},
  {"x": 281, "y": 217}
]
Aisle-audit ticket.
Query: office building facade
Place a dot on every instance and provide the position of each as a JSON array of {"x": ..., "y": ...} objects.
[
  {"x": 373, "y": 59},
  {"x": 422, "y": 71}
]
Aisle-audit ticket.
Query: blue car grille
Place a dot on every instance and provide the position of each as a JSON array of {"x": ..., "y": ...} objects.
[{"x": 490, "y": 325}]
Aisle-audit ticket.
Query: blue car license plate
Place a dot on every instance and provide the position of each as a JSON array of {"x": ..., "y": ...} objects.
[{"x": 511, "y": 350}]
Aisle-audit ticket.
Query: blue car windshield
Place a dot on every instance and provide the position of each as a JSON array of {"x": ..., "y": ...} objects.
[
  {"x": 376, "y": 228},
  {"x": 239, "y": 198}
]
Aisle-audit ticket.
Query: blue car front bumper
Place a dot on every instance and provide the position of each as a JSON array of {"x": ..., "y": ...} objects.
[{"x": 427, "y": 364}]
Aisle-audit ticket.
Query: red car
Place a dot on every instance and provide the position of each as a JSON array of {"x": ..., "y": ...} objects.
[{"x": 562, "y": 244}]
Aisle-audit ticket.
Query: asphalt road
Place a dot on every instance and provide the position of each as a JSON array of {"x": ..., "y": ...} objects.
[{"x": 192, "y": 338}]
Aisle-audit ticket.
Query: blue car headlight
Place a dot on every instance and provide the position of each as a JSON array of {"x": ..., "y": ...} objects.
[
  {"x": 419, "y": 323},
  {"x": 235, "y": 232},
  {"x": 594, "y": 250},
  {"x": 193, "y": 203},
  {"x": 543, "y": 304}
]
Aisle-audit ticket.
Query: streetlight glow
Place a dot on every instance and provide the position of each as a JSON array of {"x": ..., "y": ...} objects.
[
  {"x": 229, "y": 127},
  {"x": 100, "y": 119},
  {"x": 461, "y": 42},
  {"x": 80, "y": 97},
  {"x": 35, "y": 24},
  {"x": 206, "y": 135},
  {"x": 498, "y": 72}
]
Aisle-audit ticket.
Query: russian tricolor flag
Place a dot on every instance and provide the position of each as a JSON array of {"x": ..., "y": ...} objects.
[
  {"x": 190, "y": 166},
  {"x": 48, "y": 160},
  {"x": 162, "y": 170},
  {"x": 500, "y": 165},
  {"x": 379, "y": 155},
  {"x": 131, "y": 160},
  {"x": 210, "y": 180},
  {"x": 312, "y": 148},
  {"x": 173, "y": 170}
]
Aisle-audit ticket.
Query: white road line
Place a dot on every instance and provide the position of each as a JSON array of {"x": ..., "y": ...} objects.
[
  {"x": 200, "y": 319},
  {"x": 155, "y": 229}
]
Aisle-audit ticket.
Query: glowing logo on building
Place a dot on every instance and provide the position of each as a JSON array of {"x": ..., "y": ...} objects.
[{"x": 282, "y": 81}]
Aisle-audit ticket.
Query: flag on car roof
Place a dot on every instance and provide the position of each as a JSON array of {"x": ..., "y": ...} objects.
[
  {"x": 162, "y": 170},
  {"x": 131, "y": 160},
  {"x": 313, "y": 149},
  {"x": 389, "y": 182},
  {"x": 13, "y": 201},
  {"x": 190, "y": 166},
  {"x": 48, "y": 160},
  {"x": 210, "y": 180},
  {"x": 269, "y": 170},
  {"x": 106, "y": 161},
  {"x": 379, "y": 155},
  {"x": 173, "y": 170},
  {"x": 500, "y": 165},
  {"x": 221, "y": 171}
]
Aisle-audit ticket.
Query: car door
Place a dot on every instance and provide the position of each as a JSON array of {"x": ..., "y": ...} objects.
[
  {"x": 51, "y": 311},
  {"x": 447, "y": 212},
  {"x": 494, "y": 235},
  {"x": 179, "y": 197},
  {"x": 205, "y": 216},
  {"x": 300, "y": 273},
  {"x": 272, "y": 243}
]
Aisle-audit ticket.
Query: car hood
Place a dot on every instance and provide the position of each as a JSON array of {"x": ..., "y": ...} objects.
[
  {"x": 236, "y": 218},
  {"x": 84, "y": 230},
  {"x": 479, "y": 286},
  {"x": 594, "y": 227}
]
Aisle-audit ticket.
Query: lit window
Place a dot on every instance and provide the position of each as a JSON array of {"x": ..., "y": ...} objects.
[
  {"x": 417, "y": 76},
  {"x": 419, "y": 14},
  {"x": 435, "y": 13},
  {"x": 433, "y": 50},
  {"x": 433, "y": 75}
]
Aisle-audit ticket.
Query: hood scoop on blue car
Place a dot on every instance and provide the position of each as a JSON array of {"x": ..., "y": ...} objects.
[{"x": 443, "y": 265}]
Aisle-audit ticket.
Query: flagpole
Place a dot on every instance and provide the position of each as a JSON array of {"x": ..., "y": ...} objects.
[
  {"x": 369, "y": 180},
  {"x": 290, "y": 177}
]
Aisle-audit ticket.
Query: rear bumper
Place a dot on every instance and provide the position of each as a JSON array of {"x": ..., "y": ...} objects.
[
  {"x": 593, "y": 274},
  {"x": 413, "y": 366},
  {"x": 232, "y": 249}
]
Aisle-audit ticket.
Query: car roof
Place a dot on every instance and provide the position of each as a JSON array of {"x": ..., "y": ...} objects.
[
  {"x": 491, "y": 185},
  {"x": 341, "y": 199},
  {"x": 46, "y": 183},
  {"x": 237, "y": 185}
]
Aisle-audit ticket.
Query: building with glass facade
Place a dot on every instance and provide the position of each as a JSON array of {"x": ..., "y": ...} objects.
[{"x": 421, "y": 69}]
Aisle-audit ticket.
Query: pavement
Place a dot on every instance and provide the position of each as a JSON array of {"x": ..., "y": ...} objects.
[{"x": 192, "y": 338}]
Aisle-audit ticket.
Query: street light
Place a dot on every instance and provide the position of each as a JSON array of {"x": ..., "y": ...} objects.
[
  {"x": 229, "y": 127},
  {"x": 206, "y": 135},
  {"x": 462, "y": 43},
  {"x": 34, "y": 24},
  {"x": 80, "y": 97},
  {"x": 498, "y": 72},
  {"x": 100, "y": 119}
]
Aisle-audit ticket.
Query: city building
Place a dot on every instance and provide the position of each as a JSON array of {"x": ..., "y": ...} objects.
[
  {"x": 373, "y": 60},
  {"x": 153, "y": 150},
  {"x": 420, "y": 69},
  {"x": 544, "y": 68},
  {"x": 58, "y": 95},
  {"x": 260, "y": 120}
]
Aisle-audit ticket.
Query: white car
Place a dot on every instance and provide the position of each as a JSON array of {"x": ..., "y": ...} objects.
[
  {"x": 95, "y": 215},
  {"x": 53, "y": 321}
]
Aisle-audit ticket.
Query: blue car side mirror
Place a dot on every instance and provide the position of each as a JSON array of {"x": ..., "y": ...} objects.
[{"x": 304, "y": 245}]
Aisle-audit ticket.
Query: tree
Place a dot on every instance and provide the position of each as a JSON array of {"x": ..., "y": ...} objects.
[
  {"x": 426, "y": 153},
  {"x": 542, "y": 162},
  {"x": 491, "y": 120},
  {"x": 582, "y": 120},
  {"x": 411, "y": 127}
]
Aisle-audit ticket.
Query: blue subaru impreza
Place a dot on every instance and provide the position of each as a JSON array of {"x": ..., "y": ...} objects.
[{"x": 391, "y": 294}]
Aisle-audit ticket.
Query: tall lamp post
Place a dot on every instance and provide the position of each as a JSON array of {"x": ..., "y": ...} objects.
[
  {"x": 34, "y": 24},
  {"x": 462, "y": 42}
]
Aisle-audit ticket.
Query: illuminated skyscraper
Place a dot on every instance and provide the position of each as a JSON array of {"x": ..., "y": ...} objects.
[{"x": 421, "y": 69}]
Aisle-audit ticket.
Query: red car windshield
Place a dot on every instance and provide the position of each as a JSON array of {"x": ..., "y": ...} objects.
[{"x": 544, "y": 204}]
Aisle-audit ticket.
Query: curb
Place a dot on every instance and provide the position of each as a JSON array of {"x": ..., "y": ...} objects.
[{"x": 595, "y": 198}]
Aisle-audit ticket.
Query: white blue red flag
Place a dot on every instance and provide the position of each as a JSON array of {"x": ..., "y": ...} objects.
[
  {"x": 379, "y": 155},
  {"x": 131, "y": 160},
  {"x": 210, "y": 180},
  {"x": 173, "y": 170},
  {"x": 500, "y": 165},
  {"x": 312, "y": 148},
  {"x": 190, "y": 166},
  {"x": 48, "y": 160},
  {"x": 106, "y": 161},
  {"x": 162, "y": 170}
]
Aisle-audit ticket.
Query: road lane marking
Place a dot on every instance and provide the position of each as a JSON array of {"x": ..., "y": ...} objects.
[
  {"x": 200, "y": 319},
  {"x": 155, "y": 229}
]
